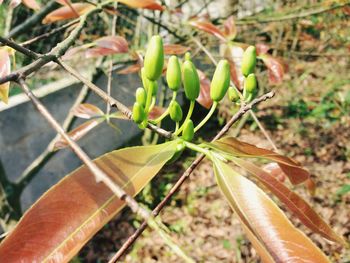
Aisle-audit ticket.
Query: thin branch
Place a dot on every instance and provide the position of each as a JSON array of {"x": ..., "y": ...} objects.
[
  {"x": 187, "y": 173},
  {"x": 309, "y": 12},
  {"x": 101, "y": 176},
  {"x": 55, "y": 53},
  {"x": 113, "y": 102},
  {"x": 19, "y": 48},
  {"x": 30, "y": 172},
  {"x": 110, "y": 66},
  {"x": 50, "y": 33},
  {"x": 95, "y": 170},
  {"x": 33, "y": 20}
]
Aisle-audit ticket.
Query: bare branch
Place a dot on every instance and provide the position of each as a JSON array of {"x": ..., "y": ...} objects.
[
  {"x": 30, "y": 172},
  {"x": 187, "y": 173},
  {"x": 113, "y": 102},
  {"x": 19, "y": 48},
  {"x": 33, "y": 20}
]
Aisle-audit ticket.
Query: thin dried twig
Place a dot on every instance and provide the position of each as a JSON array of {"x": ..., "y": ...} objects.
[{"x": 30, "y": 172}]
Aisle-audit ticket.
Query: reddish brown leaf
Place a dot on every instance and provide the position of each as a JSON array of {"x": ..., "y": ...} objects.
[
  {"x": 230, "y": 30},
  {"x": 87, "y": 111},
  {"x": 66, "y": 12},
  {"x": 275, "y": 170},
  {"x": 146, "y": 4},
  {"x": 207, "y": 27},
  {"x": 271, "y": 230},
  {"x": 311, "y": 186},
  {"x": 72, "y": 52},
  {"x": 15, "y": 3},
  {"x": 291, "y": 168},
  {"x": 57, "y": 226},
  {"x": 156, "y": 112},
  {"x": 174, "y": 49},
  {"x": 5, "y": 69},
  {"x": 296, "y": 204},
  {"x": 262, "y": 48},
  {"x": 234, "y": 54},
  {"x": 115, "y": 43},
  {"x": 234, "y": 74},
  {"x": 31, "y": 4},
  {"x": 98, "y": 51},
  {"x": 130, "y": 69},
  {"x": 275, "y": 68},
  {"x": 204, "y": 98},
  {"x": 79, "y": 132}
]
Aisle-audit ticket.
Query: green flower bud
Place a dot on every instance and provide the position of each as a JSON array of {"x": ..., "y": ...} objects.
[
  {"x": 141, "y": 96},
  {"x": 249, "y": 61},
  {"x": 188, "y": 56},
  {"x": 173, "y": 73},
  {"x": 188, "y": 131},
  {"x": 154, "y": 58},
  {"x": 233, "y": 94},
  {"x": 190, "y": 80},
  {"x": 250, "y": 83},
  {"x": 220, "y": 81},
  {"x": 138, "y": 113},
  {"x": 175, "y": 111}
]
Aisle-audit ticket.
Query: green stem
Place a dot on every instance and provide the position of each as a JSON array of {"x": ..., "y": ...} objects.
[
  {"x": 210, "y": 113},
  {"x": 166, "y": 112},
  {"x": 189, "y": 114},
  {"x": 153, "y": 102},
  {"x": 149, "y": 98},
  {"x": 177, "y": 125}
]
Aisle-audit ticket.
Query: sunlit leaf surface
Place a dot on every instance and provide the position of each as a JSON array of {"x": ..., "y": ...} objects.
[
  {"x": 295, "y": 203},
  {"x": 275, "y": 238},
  {"x": 66, "y": 12},
  {"x": 56, "y": 227}
]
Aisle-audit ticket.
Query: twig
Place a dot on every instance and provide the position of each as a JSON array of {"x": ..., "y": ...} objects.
[
  {"x": 311, "y": 11},
  {"x": 55, "y": 53},
  {"x": 95, "y": 170},
  {"x": 19, "y": 48},
  {"x": 33, "y": 20},
  {"x": 186, "y": 174},
  {"x": 30, "y": 172},
  {"x": 48, "y": 34},
  {"x": 110, "y": 69},
  {"x": 113, "y": 102}
]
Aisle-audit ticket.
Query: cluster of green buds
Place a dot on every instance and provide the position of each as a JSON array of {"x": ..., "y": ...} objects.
[
  {"x": 179, "y": 73},
  {"x": 250, "y": 82}
]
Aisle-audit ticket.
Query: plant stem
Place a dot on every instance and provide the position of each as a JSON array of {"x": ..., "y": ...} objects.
[
  {"x": 149, "y": 99},
  {"x": 210, "y": 113},
  {"x": 166, "y": 112},
  {"x": 189, "y": 114}
]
